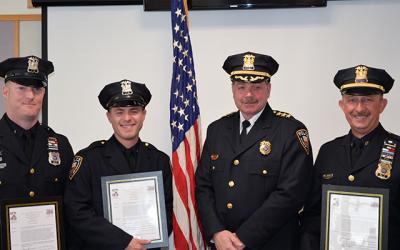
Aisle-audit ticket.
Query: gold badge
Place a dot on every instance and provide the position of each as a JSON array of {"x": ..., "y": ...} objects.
[
  {"x": 265, "y": 147},
  {"x": 214, "y": 157},
  {"x": 76, "y": 164},
  {"x": 54, "y": 158},
  {"x": 383, "y": 171},
  {"x": 302, "y": 136},
  {"x": 248, "y": 62},
  {"x": 33, "y": 65},
  {"x": 361, "y": 74},
  {"x": 126, "y": 87}
]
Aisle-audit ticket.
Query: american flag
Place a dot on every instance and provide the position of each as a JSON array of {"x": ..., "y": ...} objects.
[{"x": 185, "y": 133}]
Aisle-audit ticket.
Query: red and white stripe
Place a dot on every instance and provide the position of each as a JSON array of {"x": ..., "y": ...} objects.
[{"x": 186, "y": 222}]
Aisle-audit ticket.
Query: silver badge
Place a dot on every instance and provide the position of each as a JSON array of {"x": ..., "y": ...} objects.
[
  {"x": 126, "y": 87},
  {"x": 33, "y": 65},
  {"x": 54, "y": 158}
]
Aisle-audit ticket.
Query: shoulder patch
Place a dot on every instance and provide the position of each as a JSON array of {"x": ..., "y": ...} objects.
[
  {"x": 282, "y": 114},
  {"x": 76, "y": 164},
  {"x": 302, "y": 137}
]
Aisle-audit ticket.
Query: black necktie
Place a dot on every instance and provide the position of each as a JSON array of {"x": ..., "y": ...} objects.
[
  {"x": 28, "y": 143},
  {"x": 243, "y": 134},
  {"x": 356, "y": 150}
]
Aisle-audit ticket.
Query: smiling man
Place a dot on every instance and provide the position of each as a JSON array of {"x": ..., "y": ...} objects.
[
  {"x": 123, "y": 153},
  {"x": 251, "y": 184},
  {"x": 366, "y": 157},
  {"x": 34, "y": 160}
]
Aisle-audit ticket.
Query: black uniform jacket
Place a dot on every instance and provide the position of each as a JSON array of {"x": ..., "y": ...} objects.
[
  {"x": 257, "y": 188},
  {"x": 333, "y": 166},
  {"x": 83, "y": 198},
  {"x": 43, "y": 176},
  {"x": 20, "y": 178}
]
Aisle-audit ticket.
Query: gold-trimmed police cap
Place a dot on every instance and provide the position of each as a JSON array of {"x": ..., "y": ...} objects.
[
  {"x": 123, "y": 94},
  {"x": 28, "y": 71},
  {"x": 250, "y": 67},
  {"x": 363, "y": 80}
]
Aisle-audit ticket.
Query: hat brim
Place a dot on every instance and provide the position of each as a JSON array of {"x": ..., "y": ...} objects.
[
  {"x": 28, "y": 82},
  {"x": 126, "y": 101},
  {"x": 364, "y": 91}
]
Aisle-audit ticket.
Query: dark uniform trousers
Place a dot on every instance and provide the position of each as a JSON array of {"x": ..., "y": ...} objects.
[
  {"x": 83, "y": 197},
  {"x": 21, "y": 178},
  {"x": 333, "y": 166},
  {"x": 255, "y": 189}
]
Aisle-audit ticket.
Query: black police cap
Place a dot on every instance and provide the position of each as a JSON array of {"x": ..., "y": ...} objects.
[
  {"x": 124, "y": 93},
  {"x": 250, "y": 67},
  {"x": 28, "y": 71},
  {"x": 363, "y": 80}
]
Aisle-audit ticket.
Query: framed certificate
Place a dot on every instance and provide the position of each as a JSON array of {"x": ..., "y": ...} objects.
[
  {"x": 136, "y": 204},
  {"x": 34, "y": 224},
  {"x": 354, "y": 218}
]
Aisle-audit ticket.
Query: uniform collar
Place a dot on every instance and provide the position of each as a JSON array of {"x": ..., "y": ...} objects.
[
  {"x": 18, "y": 130},
  {"x": 366, "y": 138}
]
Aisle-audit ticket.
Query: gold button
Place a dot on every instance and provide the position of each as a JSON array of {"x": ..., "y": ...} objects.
[
  {"x": 146, "y": 144},
  {"x": 102, "y": 142},
  {"x": 231, "y": 183},
  {"x": 56, "y": 179},
  {"x": 236, "y": 162},
  {"x": 265, "y": 171},
  {"x": 229, "y": 205},
  {"x": 31, "y": 194},
  {"x": 351, "y": 177},
  {"x": 32, "y": 171}
]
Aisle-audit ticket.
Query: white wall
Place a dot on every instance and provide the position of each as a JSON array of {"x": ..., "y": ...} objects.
[{"x": 92, "y": 46}]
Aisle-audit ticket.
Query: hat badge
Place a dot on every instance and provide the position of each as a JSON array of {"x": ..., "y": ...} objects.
[
  {"x": 33, "y": 64},
  {"x": 126, "y": 87},
  {"x": 361, "y": 74},
  {"x": 248, "y": 62}
]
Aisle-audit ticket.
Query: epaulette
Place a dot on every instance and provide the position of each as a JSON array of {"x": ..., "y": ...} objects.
[
  {"x": 339, "y": 138},
  {"x": 394, "y": 136},
  {"x": 282, "y": 114},
  {"x": 230, "y": 114},
  {"x": 148, "y": 145},
  {"x": 97, "y": 144},
  {"x": 48, "y": 129}
]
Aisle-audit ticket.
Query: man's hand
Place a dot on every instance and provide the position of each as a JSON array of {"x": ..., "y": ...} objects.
[
  {"x": 137, "y": 244},
  {"x": 225, "y": 240}
]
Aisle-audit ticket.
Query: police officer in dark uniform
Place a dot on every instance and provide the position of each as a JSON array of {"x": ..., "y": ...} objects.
[
  {"x": 123, "y": 153},
  {"x": 368, "y": 156},
  {"x": 34, "y": 160},
  {"x": 255, "y": 167}
]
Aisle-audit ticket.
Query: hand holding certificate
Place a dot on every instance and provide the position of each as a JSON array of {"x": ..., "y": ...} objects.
[{"x": 135, "y": 203}]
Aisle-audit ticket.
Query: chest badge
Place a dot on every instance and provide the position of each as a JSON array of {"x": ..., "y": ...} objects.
[
  {"x": 54, "y": 158},
  {"x": 383, "y": 171},
  {"x": 265, "y": 147},
  {"x": 54, "y": 154}
]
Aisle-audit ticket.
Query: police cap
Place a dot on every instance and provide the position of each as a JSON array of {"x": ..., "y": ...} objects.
[
  {"x": 363, "y": 80},
  {"x": 124, "y": 93},
  {"x": 28, "y": 71},
  {"x": 250, "y": 67}
]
